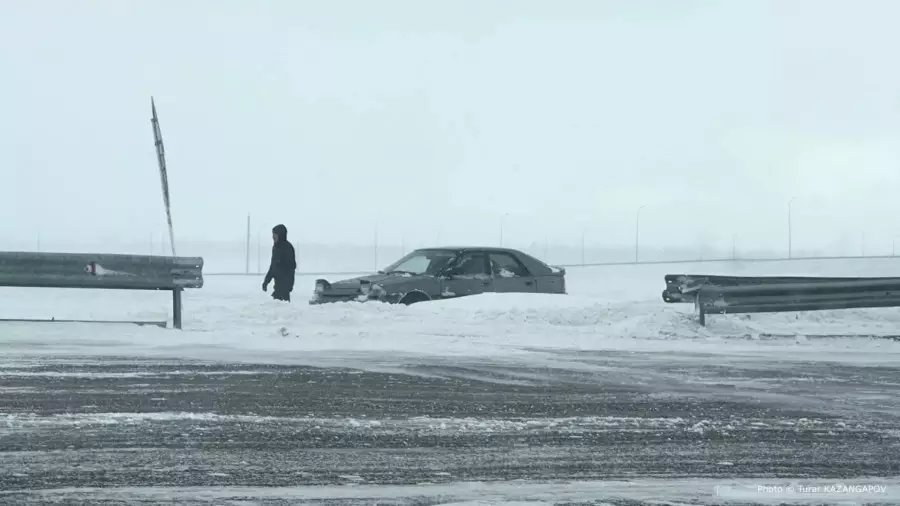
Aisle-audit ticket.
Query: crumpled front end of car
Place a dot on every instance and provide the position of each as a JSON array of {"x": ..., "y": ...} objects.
[{"x": 325, "y": 293}]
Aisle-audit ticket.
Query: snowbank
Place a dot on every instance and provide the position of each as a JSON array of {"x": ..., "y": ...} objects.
[{"x": 607, "y": 309}]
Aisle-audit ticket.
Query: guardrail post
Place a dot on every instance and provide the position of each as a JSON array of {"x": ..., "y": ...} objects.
[
  {"x": 176, "y": 308},
  {"x": 698, "y": 307}
]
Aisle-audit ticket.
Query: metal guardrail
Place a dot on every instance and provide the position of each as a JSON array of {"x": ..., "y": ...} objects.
[
  {"x": 684, "y": 287},
  {"x": 102, "y": 271},
  {"x": 738, "y": 295}
]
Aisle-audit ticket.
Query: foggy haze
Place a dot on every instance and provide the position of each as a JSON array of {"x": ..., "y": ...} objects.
[{"x": 440, "y": 122}]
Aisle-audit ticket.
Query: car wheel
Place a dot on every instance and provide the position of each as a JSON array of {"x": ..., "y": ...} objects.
[{"x": 413, "y": 297}]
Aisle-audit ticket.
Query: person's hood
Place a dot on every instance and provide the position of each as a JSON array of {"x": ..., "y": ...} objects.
[{"x": 281, "y": 230}]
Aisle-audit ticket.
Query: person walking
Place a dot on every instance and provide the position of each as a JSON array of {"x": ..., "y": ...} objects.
[{"x": 282, "y": 266}]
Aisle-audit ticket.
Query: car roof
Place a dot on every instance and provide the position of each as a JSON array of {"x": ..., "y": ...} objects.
[
  {"x": 469, "y": 248},
  {"x": 530, "y": 262}
]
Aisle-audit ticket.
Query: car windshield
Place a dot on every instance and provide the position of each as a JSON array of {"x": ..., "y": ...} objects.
[{"x": 429, "y": 262}]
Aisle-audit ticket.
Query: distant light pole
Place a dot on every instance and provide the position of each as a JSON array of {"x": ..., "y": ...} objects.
[
  {"x": 733, "y": 246},
  {"x": 502, "y": 218},
  {"x": 375, "y": 247},
  {"x": 583, "y": 232},
  {"x": 247, "y": 258},
  {"x": 637, "y": 233},
  {"x": 790, "y": 227}
]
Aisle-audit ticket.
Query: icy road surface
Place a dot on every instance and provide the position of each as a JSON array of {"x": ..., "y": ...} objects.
[{"x": 604, "y": 396}]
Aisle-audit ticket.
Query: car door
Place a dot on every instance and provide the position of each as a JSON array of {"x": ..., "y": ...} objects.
[
  {"x": 467, "y": 275},
  {"x": 510, "y": 274}
]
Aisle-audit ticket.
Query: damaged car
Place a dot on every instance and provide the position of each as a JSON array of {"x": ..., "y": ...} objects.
[{"x": 444, "y": 273}]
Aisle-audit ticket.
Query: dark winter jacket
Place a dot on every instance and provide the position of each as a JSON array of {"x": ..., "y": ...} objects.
[{"x": 284, "y": 262}]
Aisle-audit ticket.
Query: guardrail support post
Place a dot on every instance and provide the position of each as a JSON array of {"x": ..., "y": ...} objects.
[
  {"x": 698, "y": 307},
  {"x": 176, "y": 308}
]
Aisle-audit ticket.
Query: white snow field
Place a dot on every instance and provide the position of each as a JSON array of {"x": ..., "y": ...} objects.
[{"x": 607, "y": 308}]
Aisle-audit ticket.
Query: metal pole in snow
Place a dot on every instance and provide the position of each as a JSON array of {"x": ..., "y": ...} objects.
[
  {"x": 582, "y": 246},
  {"x": 248, "y": 245},
  {"x": 790, "y": 228},
  {"x": 161, "y": 159},
  {"x": 637, "y": 233}
]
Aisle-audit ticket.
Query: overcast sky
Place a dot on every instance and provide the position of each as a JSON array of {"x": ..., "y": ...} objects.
[{"x": 436, "y": 118}]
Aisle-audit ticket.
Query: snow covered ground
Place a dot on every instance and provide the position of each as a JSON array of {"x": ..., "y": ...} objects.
[
  {"x": 607, "y": 308},
  {"x": 604, "y": 394}
]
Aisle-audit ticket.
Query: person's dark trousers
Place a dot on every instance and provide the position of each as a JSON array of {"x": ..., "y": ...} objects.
[{"x": 281, "y": 294}]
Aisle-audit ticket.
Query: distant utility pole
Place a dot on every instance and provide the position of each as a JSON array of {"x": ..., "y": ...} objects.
[
  {"x": 582, "y": 245},
  {"x": 637, "y": 233},
  {"x": 790, "y": 228},
  {"x": 375, "y": 248},
  {"x": 247, "y": 267}
]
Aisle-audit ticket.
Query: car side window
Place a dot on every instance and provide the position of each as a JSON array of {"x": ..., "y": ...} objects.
[
  {"x": 469, "y": 264},
  {"x": 507, "y": 266}
]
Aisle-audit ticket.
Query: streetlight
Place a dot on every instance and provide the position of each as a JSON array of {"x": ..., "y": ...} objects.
[
  {"x": 502, "y": 218},
  {"x": 637, "y": 233},
  {"x": 247, "y": 256},
  {"x": 790, "y": 228},
  {"x": 583, "y": 232},
  {"x": 375, "y": 247}
]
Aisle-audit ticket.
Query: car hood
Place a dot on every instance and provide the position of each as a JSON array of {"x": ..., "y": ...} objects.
[{"x": 385, "y": 280}]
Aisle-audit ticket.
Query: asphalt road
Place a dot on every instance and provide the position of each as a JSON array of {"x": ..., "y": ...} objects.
[{"x": 189, "y": 433}]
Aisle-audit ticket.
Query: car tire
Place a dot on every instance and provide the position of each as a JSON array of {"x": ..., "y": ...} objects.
[{"x": 413, "y": 297}]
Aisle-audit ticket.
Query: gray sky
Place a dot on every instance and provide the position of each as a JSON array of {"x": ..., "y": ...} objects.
[{"x": 438, "y": 117}]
